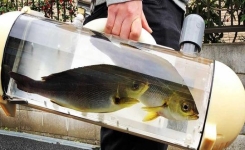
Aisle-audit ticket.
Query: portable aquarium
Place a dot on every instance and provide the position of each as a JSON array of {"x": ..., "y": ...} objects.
[{"x": 107, "y": 67}]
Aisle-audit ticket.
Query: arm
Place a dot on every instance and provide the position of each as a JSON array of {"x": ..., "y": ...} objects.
[{"x": 126, "y": 19}]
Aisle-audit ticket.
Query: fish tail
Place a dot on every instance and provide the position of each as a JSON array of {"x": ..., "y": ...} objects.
[
  {"x": 152, "y": 113},
  {"x": 24, "y": 83}
]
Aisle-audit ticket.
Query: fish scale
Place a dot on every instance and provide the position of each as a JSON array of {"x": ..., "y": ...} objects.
[{"x": 83, "y": 98}]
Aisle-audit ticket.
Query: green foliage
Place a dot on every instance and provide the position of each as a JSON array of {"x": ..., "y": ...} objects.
[
  {"x": 7, "y": 6},
  {"x": 210, "y": 10},
  {"x": 238, "y": 8},
  {"x": 62, "y": 10},
  {"x": 211, "y": 18},
  {"x": 242, "y": 18}
]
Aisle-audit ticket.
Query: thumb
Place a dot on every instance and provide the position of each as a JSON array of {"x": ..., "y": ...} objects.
[{"x": 145, "y": 23}]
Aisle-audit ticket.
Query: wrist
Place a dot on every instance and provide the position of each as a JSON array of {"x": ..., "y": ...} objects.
[{"x": 110, "y": 2}]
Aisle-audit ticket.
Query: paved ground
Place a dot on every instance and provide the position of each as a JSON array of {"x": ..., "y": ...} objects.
[{"x": 10, "y": 140}]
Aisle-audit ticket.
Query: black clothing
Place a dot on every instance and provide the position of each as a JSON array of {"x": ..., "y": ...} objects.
[{"x": 115, "y": 140}]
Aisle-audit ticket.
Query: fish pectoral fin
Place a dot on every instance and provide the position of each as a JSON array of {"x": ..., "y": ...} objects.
[
  {"x": 56, "y": 103},
  {"x": 150, "y": 116},
  {"x": 152, "y": 113},
  {"x": 152, "y": 109}
]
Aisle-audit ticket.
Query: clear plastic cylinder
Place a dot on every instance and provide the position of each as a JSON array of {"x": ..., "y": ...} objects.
[{"x": 39, "y": 47}]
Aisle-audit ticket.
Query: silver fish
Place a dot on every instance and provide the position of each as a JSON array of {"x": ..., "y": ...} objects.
[
  {"x": 107, "y": 88},
  {"x": 86, "y": 89}
]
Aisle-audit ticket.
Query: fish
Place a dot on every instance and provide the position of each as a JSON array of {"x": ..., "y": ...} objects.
[
  {"x": 174, "y": 107},
  {"x": 108, "y": 88},
  {"x": 163, "y": 98},
  {"x": 86, "y": 89},
  {"x": 166, "y": 83},
  {"x": 170, "y": 101}
]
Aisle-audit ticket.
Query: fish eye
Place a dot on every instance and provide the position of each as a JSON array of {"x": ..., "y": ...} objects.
[
  {"x": 117, "y": 100},
  {"x": 185, "y": 107},
  {"x": 135, "y": 86}
]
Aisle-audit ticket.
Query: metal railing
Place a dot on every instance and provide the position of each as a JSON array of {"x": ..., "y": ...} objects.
[{"x": 220, "y": 15}]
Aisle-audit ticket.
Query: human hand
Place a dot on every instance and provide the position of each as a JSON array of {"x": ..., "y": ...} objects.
[{"x": 126, "y": 20}]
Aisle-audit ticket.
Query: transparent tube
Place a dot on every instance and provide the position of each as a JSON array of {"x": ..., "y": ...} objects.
[{"x": 53, "y": 53}]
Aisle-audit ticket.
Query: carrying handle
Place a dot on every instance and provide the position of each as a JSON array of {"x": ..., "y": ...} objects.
[{"x": 99, "y": 26}]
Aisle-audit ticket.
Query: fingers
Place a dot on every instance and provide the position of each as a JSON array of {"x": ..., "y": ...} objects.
[
  {"x": 125, "y": 30},
  {"x": 110, "y": 20},
  {"x": 136, "y": 28},
  {"x": 116, "y": 30},
  {"x": 128, "y": 28},
  {"x": 114, "y": 21},
  {"x": 126, "y": 20},
  {"x": 145, "y": 24}
]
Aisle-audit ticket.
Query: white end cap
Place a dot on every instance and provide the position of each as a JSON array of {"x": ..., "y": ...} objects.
[{"x": 226, "y": 109}]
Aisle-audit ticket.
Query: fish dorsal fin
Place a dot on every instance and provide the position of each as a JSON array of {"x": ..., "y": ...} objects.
[
  {"x": 64, "y": 75},
  {"x": 94, "y": 74},
  {"x": 83, "y": 74}
]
